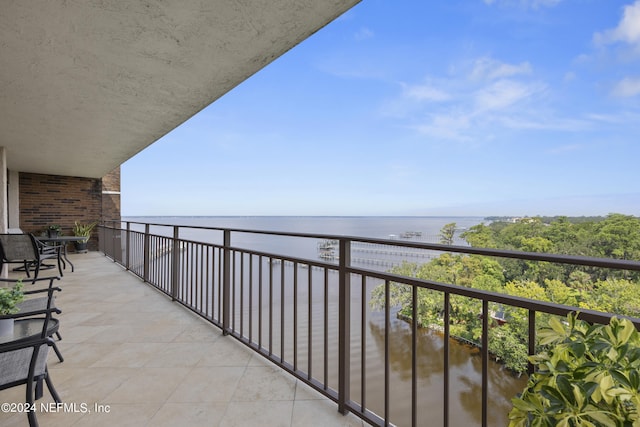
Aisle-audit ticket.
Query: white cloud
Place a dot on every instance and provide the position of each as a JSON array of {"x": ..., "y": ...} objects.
[
  {"x": 627, "y": 87},
  {"x": 450, "y": 126},
  {"x": 609, "y": 118},
  {"x": 548, "y": 3},
  {"x": 627, "y": 31},
  {"x": 565, "y": 148},
  {"x": 502, "y": 94},
  {"x": 490, "y": 69},
  {"x": 426, "y": 93},
  {"x": 479, "y": 101},
  {"x": 544, "y": 121},
  {"x": 534, "y": 4},
  {"x": 364, "y": 34}
]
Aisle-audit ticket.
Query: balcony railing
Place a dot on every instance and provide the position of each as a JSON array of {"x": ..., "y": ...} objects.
[{"x": 311, "y": 317}]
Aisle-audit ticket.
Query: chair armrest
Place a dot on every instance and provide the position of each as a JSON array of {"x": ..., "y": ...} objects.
[
  {"x": 39, "y": 279},
  {"x": 4, "y": 348},
  {"x": 32, "y": 306},
  {"x": 31, "y": 313},
  {"x": 45, "y": 248},
  {"x": 34, "y": 282},
  {"x": 42, "y": 279}
]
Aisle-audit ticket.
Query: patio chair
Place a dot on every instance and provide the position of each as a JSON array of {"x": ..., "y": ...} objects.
[
  {"x": 25, "y": 249},
  {"x": 24, "y": 361},
  {"x": 35, "y": 302}
]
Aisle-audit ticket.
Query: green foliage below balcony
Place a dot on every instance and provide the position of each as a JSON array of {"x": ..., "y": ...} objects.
[
  {"x": 616, "y": 236},
  {"x": 588, "y": 376}
]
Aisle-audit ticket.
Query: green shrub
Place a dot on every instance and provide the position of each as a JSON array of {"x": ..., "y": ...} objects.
[{"x": 588, "y": 376}]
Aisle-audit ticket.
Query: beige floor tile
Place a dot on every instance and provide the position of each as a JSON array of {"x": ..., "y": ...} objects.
[
  {"x": 79, "y": 334},
  {"x": 90, "y": 385},
  {"x": 306, "y": 392},
  {"x": 149, "y": 385},
  {"x": 129, "y": 355},
  {"x": 314, "y": 413},
  {"x": 12, "y": 419},
  {"x": 129, "y": 415},
  {"x": 264, "y": 383},
  {"x": 200, "y": 332},
  {"x": 263, "y": 413},
  {"x": 173, "y": 354},
  {"x": 82, "y": 356},
  {"x": 189, "y": 414},
  {"x": 225, "y": 352},
  {"x": 209, "y": 384},
  {"x": 76, "y": 317}
]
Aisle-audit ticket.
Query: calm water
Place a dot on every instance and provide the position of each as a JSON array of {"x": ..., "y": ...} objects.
[
  {"x": 376, "y": 227},
  {"x": 465, "y": 362}
]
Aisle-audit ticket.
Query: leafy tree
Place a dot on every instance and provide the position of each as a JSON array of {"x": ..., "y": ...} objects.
[
  {"x": 447, "y": 233},
  {"x": 584, "y": 287},
  {"x": 509, "y": 348},
  {"x": 480, "y": 236},
  {"x": 617, "y": 296},
  {"x": 619, "y": 237}
]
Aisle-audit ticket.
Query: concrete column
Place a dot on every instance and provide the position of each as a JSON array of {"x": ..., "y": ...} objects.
[
  {"x": 4, "y": 209},
  {"x": 14, "y": 199}
]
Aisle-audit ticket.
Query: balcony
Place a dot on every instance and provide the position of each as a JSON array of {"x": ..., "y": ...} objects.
[
  {"x": 241, "y": 327},
  {"x": 147, "y": 361}
]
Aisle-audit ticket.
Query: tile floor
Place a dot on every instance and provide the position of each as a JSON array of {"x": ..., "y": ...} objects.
[{"x": 134, "y": 358}]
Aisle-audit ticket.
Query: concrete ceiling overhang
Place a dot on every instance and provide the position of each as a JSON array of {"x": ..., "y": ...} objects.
[{"x": 87, "y": 84}]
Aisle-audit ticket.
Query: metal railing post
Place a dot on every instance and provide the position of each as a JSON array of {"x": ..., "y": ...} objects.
[
  {"x": 101, "y": 246},
  {"x": 146, "y": 254},
  {"x": 113, "y": 241},
  {"x": 344, "y": 327},
  {"x": 127, "y": 247},
  {"x": 226, "y": 282},
  {"x": 175, "y": 262}
]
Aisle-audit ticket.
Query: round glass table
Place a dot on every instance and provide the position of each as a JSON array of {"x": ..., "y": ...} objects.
[{"x": 27, "y": 329}]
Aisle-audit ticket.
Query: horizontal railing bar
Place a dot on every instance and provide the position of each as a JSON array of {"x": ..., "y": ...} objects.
[
  {"x": 547, "y": 307},
  {"x": 286, "y": 258},
  {"x": 531, "y": 256}
]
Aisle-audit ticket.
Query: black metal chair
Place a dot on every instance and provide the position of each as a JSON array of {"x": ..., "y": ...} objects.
[
  {"x": 24, "y": 362},
  {"x": 34, "y": 304},
  {"x": 25, "y": 249}
]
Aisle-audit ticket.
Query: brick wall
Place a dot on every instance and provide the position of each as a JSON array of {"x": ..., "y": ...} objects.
[
  {"x": 111, "y": 196},
  {"x": 111, "y": 182},
  {"x": 62, "y": 200}
]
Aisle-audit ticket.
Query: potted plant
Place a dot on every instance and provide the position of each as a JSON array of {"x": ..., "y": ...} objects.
[
  {"x": 84, "y": 231},
  {"x": 9, "y": 299},
  {"x": 588, "y": 375},
  {"x": 54, "y": 230}
]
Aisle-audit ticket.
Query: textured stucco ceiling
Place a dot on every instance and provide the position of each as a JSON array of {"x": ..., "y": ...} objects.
[{"x": 87, "y": 84}]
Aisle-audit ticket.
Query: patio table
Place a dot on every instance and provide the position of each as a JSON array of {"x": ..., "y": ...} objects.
[
  {"x": 62, "y": 242},
  {"x": 28, "y": 329}
]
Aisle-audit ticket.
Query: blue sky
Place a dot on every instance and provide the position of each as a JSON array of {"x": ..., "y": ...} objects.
[{"x": 474, "y": 107}]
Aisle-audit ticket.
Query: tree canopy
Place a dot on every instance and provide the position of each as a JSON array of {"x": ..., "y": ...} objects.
[{"x": 615, "y": 236}]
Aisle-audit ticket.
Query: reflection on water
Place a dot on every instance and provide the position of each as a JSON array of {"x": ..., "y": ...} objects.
[
  {"x": 465, "y": 362},
  {"x": 465, "y": 368}
]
